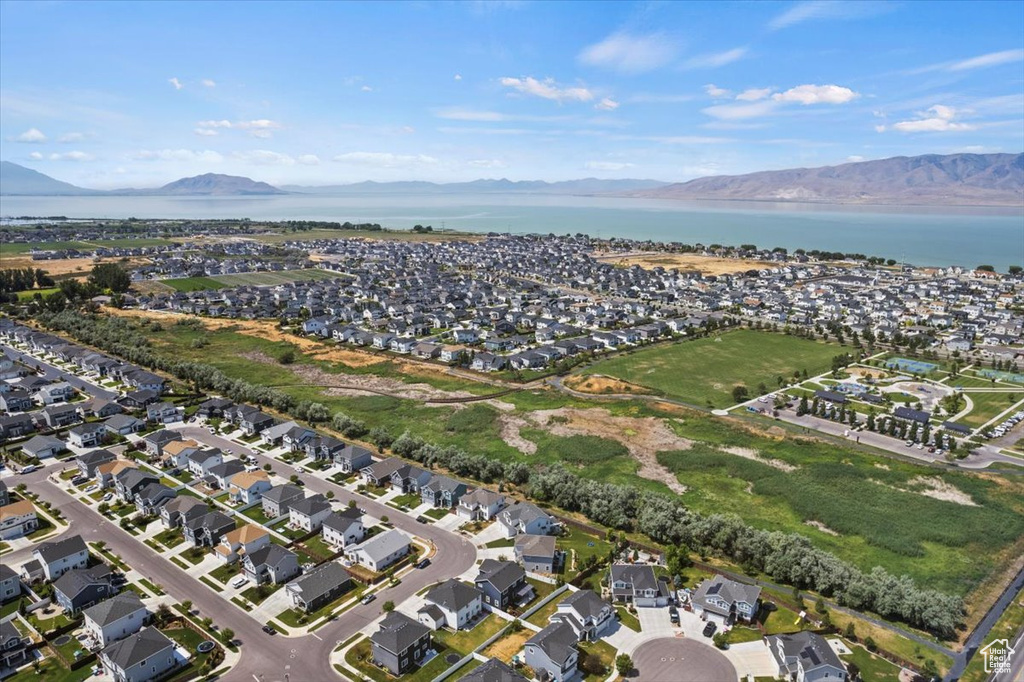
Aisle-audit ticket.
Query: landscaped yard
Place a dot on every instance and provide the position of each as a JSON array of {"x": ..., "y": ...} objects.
[
  {"x": 438, "y": 513},
  {"x": 706, "y": 370},
  {"x": 226, "y": 572},
  {"x": 597, "y": 659},
  {"x": 258, "y": 593},
  {"x": 407, "y": 500},
  {"x": 628, "y": 619},
  {"x": 189, "y": 639},
  {"x": 51, "y": 670},
  {"x": 541, "y": 615},
  {"x": 873, "y": 668},
  {"x": 541, "y": 589},
  {"x": 360, "y": 658},
  {"x": 256, "y": 514},
  {"x": 194, "y": 555},
  {"x": 172, "y": 537},
  {"x": 466, "y": 641}
]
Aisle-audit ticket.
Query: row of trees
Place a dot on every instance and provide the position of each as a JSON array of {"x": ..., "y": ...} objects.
[
  {"x": 22, "y": 279},
  {"x": 786, "y": 557}
]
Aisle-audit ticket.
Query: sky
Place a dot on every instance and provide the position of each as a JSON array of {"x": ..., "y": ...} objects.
[{"x": 139, "y": 94}]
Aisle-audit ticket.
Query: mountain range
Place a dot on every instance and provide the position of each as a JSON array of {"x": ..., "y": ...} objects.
[{"x": 949, "y": 180}]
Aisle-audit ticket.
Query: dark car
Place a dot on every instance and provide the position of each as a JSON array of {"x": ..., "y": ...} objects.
[
  {"x": 673, "y": 614},
  {"x": 269, "y": 630},
  {"x": 79, "y": 480},
  {"x": 422, "y": 563},
  {"x": 709, "y": 629}
]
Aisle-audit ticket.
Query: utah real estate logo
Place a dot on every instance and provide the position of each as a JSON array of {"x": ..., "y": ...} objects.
[{"x": 997, "y": 656}]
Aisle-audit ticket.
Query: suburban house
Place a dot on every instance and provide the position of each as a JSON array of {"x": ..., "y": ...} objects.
[
  {"x": 587, "y": 614},
  {"x": 130, "y": 481},
  {"x": 87, "y": 435},
  {"x": 208, "y": 529},
  {"x": 176, "y": 452},
  {"x": 220, "y": 474},
  {"x": 410, "y": 478},
  {"x": 323, "y": 448},
  {"x": 56, "y": 416},
  {"x": 537, "y": 553},
  {"x": 523, "y": 517},
  {"x": 152, "y": 496},
  {"x": 182, "y": 509},
  {"x": 399, "y": 643},
  {"x": 106, "y": 473},
  {"x": 122, "y": 615},
  {"x": 309, "y": 513},
  {"x": 214, "y": 408},
  {"x": 270, "y": 564},
  {"x": 57, "y": 558},
  {"x": 319, "y": 587},
  {"x": 726, "y": 601},
  {"x": 277, "y": 501},
  {"x": 442, "y": 491},
  {"x": 251, "y": 420},
  {"x": 16, "y": 425},
  {"x": 58, "y": 392},
  {"x": 43, "y": 447},
  {"x": 637, "y": 584},
  {"x": 13, "y": 645},
  {"x": 201, "y": 461},
  {"x": 379, "y": 473},
  {"x": 344, "y": 528},
  {"x": 806, "y": 657},
  {"x": 352, "y": 459},
  {"x": 494, "y": 670},
  {"x": 480, "y": 505},
  {"x": 503, "y": 584},
  {"x": 380, "y": 551},
  {"x": 123, "y": 424},
  {"x": 552, "y": 653},
  {"x": 17, "y": 519},
  {"x": 141, "y": 657},
  {"x": 10, "y": 584},
  {"x": 163, "y": 413},
  {"x": 156, "y": 441},
  {"x": 244, "y": 540},
  {"x": 82, "y": 587},
  {"x": 458, "y": 603},
  {"x": 247, "y": 487}
]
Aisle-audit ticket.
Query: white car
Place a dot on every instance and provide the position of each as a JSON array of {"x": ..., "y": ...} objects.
[
  {"x": 239, "y": 581},
  {"x": 92, "y": 488},
  {"x": 108, "y": 497},
  {"x": 299, "y": 469}
]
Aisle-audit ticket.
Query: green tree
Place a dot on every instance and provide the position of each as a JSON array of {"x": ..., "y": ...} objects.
[
  {"x": 389, "y": 606},
  {"x": 110, "y": 276},
  {"x": 739, "y": 393},
  {"x": 624, "y": 665}
]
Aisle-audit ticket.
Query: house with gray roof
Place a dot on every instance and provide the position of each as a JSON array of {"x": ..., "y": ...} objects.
[
  {"x": 182, "y": 509},
  {"x": 379, "y": 473},
  {"x": 319, "y": 587},
  {"x": 13, "y": 645},
  {"x": 222, "y": 473},
  {"x": 587, "y": 614},
  {"x": 523, "y": 517},
  {"x": 494, "y": 670},
  {"x": 141, "y": 657},
  {"x": 726, "y": 601},
  {"x": 56, "y": 416},
  {"x": 271, "y": 564},
  {"x": 344, "y": 528},
  {"x": 503, "y": 584},
  {"x": 637, "y": 584},
  {"x": 208, "y": 529},
  {"x": 115, "y": 618},
  {"x": 442, "y": 491},
  {"x": 152, "y": 496},
  {"x": 537, "y": 553},
  {"x": 309, "y": 513},
  {"x": 82, "y": 587},
  {"x": 380, "y": 551},
  {"x": 553, "y": 653},
  {"x": 57, "y": 558},
  {"x": 277, "y": 501},
  {"x": 410, "y": 478},
  {"x": 480, "y": 505},
  {"x": 87, "y": 435},
  {"x": 129, "y": 481},
  {"x": 353, "y": 458},
  {"x": 806, "y": 657},
  {"x": 87, "y": 462},
  {"x": 460, "y": 604},
  {"x": 200, "y": 462},
  {"x": 399, "y": 644},
  {"x": 156, "y": 440},
  {"x": 10, "y": 584},
  {"x": 43, "y": 447}
]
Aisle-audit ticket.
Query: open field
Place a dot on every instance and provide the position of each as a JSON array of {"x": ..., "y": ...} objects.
[
  {"x": 400, "y": 235},
  {"x": 988, "y": 406},
  {"x": 706, "y": 370},
  {"x": 61, "y": 266},
  {"x": 18, "y": 248},
  {"x": 708, "y": 265},
  {"x": 247, "y": 279}
]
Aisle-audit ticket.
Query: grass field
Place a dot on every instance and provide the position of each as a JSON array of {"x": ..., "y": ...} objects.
[
  {"x": 706, "y": 370},
  {"x": 987, "y": 406},
  {"x": 19, "y": 248},
  {"x": 872, "y": 668},
  {"x": 247, "y": 279}
]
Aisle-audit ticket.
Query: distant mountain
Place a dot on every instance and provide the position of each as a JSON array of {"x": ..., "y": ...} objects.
[
  {"x": 952, "y": 180},
  {"x": 17, "y": 180},
  {"x": 586, "y": 186},
  {"x": 208, "y": 184}
]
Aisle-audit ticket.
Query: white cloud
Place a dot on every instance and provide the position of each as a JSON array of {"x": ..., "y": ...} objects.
[
  {"x": 606, "y": 165},
  {"x": 630, "y": 53},
  {"x": 215, "y": 124},
  {"x": 457, "y": 114},
  {"x": 366, "y": 88},
  {"x": 753, "y": 94},
  {"x": 72, "y": 156},
  {"x": 816, "y": 94},
  {"x": 732, "y": 112},
  {"x": 263, "y": 157},
  {"x": 30, "y": 136},
  {"x": 178, "y": 85},
  {"x": 458, "y": 76},
  {"x": 205, "y": 156},
  {"x": 36, "y": 156},
  {"x": 262, "y": 128},
  {"x": 715, "y": 91},
  {"x": 547, "y": 89},
  {"x": 991, "y": 59},
  {"x": 937, "y": 119},
  {"x": 309, "y": 160},
  {"x": 209, "y": 83},
  {"x": 607, "y": 104},
  {"x": 386, "y": 159},
  {"x": 854, "y": 158},
  {"x": 72, "y": 137},
  {"x": 259, "y": 124},
  {"x": 715, "y": 59},
  {"x": 828, "y": 9},
  {"x": 486, "y": 163},
  {"x": 206, "y": 132}
]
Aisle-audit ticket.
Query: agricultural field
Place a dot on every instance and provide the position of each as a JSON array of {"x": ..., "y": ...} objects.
[
  {"x": 704, "y": 371},
  {"x": 19, "y": 248},
  {"x": 247, "y": 279}
]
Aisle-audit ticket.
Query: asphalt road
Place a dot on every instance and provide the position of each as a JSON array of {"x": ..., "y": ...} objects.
[
  {"x": 55, "y": 373},
  {"x": 680, "y": 660},
  {"x": 970, "y": 648},
  {"x": 302, "y": 659}
]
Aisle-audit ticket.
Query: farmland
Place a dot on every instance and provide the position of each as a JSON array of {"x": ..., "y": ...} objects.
[
  {"x": 704, "y": 372},
  {"x": 247, "y": 279}
]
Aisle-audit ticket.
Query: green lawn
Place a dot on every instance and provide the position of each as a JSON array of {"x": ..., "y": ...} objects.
[
  {"x": 51, "y": 670},
  {"x": 189, "y": 639},
  {"x": 628, "y": 619},
  {"x": 258, "y": 593},
  {"x": 597, "y": 659},
  {"x": 873, "y": 668},
  {"x": 540, "y": 616},
  {"x": 988, "y": 406},
  {"x": 359, "y": 658},
  {"x": 250, "y": 278},
  {"x": 500, "y": 542},
  {"x": 172, "y": 537},
  {"x": 194, "y": 555},
  {"x": 226, "y": 572},
  {"x": 438, "y": 513},
  {"x": 256, "y": 514},
  {"x": 466, "y": 641},
  {"x": 407, "y": 500},
  {"x": 705, "y": 370}
]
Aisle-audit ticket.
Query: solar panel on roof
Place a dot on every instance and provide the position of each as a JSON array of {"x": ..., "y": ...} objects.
[{"x": 810, "y": 653}]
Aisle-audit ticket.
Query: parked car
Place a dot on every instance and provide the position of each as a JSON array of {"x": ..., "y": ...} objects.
[
  {"x": 367, "y": 599},
  {"x": 709, "y": 629},
  {"x": 108, "y": 497},
  {"x": 79, "y": 480},
  {"x": 673, "y": 614},
  {"x": 239, "y": 581},
  {"x": 93, "y": 488},
  {"x": 423, "y": 563},
  {"x": 30, "y": 468},
  {"x": 269, "y": 630}
]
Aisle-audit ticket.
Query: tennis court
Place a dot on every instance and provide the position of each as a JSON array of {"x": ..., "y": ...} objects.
[
  {"x": 908, "y": 365},
  {"x": 999, "y": 375}
]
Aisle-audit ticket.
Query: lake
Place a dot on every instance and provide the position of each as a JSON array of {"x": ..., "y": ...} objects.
[{"x": 921, "y": 235}]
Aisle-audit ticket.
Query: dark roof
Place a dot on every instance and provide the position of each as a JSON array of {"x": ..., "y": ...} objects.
[
  {"x": 115, "y": 608},
  {"x": 557, "y": 641},
  {"x": 807, "y": 647},
  {"x": 493, "y": 670},
  {"x": 228, "y": 468},
  {"x": 501, "y": 574},
  {"x": 138, "y": 647},
  {"x": 341, "y": 520},
  {"x": 163, "y": 436},
  {"x": 76, "y": 580},
  {"x": 453, "y": 595},
  {"x": 640, "y": 577},
  {"x": 321, "y": 580},
  {"x": 310, "y": 505},
  {"x": 271, "y": 555},
  {"x": 956, "y": 428},
  {"x": 282, "y": 492},
  {"x": 831, "y": 396},
  {"x": 913, "y": 415},
  {"x": 52, "y": 551},
  {"x": 586, "y": 603},
  {"x": 398, "y": 632},
  {"x": 535, "y": 546},
  {"x": 94, "y": 457}
]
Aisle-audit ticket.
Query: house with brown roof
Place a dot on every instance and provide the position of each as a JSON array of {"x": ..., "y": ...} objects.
[
  {"x": 240, "y": 541},
  {"x": 17, "y": 519},
  {"x": 247, "y": 487}
]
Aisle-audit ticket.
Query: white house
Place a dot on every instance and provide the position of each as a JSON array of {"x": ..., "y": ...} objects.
[
  {"x": 57, "y": 558},
  {"x": 115, "y": 618},
  {"x": 141, "y": 657},
  {"x": 309, "y": 513},
  {"x": 523, "y": 517},
  {"x": 380, "y": 551},
  {"x": 344, "y": 528},
  {"x": 726, "y": 601},
  {"x": 460, "y": 604}
]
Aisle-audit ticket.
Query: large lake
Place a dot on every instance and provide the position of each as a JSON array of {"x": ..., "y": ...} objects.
[{"x": 921, "y": 235}]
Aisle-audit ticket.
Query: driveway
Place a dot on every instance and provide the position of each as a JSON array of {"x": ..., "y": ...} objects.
[
  {"x": 752, "y": 658},
  {"x": 681, "y": 660}
]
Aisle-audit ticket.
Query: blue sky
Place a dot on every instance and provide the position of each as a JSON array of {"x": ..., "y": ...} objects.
[{"x": 138, "y": 94}]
